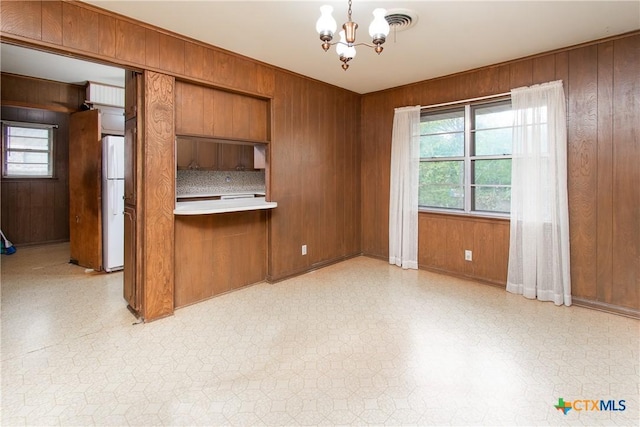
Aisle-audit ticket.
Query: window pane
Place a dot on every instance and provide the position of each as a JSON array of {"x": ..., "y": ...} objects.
[
  {"x": 442, "y": 184},
  {"x": 493, "y": 142},
  {"x": 442, "y": 134},
  {"x": 20, "y": 169},
  {"x": 30, "y": 132},
  {"x": 493, "y": 116},
  {"x": 492, "y": 172},
  {"x": 443, "y": 145},
  {"x": 25, "y": 143},
  {"x": 450, "y": 121},
  {"x": 492, "y": 199},
  {"x": 27, "y": 157},
  {"x": 27, "y": 151}
]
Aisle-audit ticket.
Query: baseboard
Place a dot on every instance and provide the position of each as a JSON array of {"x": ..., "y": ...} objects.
[
  {"x": 313, "y": 267},
  {"x": 47, "y": 242},
  {"x": 606, "y": 307}
]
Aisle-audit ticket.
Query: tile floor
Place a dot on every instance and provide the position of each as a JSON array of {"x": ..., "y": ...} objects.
[{"x": 356, "y": 343}]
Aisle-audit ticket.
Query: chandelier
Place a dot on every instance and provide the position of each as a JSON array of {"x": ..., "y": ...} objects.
[{"x": 346, "y": 47}]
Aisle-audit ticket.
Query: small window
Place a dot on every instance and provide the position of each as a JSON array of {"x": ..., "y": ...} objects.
[
  {"x": 27, "y": 150},
  {"x": 465, "y": 158}
]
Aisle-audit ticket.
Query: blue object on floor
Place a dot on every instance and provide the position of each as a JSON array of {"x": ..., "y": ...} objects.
[{"x": 7, "y": 246}]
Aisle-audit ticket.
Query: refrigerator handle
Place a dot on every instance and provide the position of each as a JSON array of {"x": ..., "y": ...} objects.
[
  {"x": 113, "y": 163},
  {"x": 114, "y": 198}
]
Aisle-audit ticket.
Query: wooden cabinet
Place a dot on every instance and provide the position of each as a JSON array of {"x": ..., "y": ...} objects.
[
  {"x": 207, "y": 112},
  {"x": 130, "y": 160},
  {"x": 232, "y": 157},
  {"x": 205, "y": 154},
  {"x": 218, "y": 253},
  {"x": 85, "y": 189},
  {"x": 132, "y": 284},
  {"x": 196, "y": 154},
  {"x": 130, "y": 95},
  {"x": 131, "y": 290}
]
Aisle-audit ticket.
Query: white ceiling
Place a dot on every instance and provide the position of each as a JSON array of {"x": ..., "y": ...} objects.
[{"x": 449, "y": 36}]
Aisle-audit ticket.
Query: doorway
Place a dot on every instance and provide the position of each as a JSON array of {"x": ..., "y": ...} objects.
[{"x": 40, "y": 87}]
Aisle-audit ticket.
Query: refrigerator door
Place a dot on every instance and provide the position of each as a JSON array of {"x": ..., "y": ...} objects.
[
  {"x": 113, "y": 157},
  {"x": 113, "y": 224}
]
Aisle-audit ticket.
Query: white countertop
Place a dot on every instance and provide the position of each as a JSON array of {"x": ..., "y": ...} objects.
[{"x": 203, "y": 207}]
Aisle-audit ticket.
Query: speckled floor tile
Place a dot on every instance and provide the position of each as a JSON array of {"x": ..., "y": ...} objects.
[{"x": 356, "y": 343}]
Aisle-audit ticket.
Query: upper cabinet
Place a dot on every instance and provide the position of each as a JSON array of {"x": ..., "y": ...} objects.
[
  {"x": 207, "y": 112},
  {"x": 205, "y": 154}
]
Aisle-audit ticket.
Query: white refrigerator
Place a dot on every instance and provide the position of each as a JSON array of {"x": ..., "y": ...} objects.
[{"x": 112, "y": 203}]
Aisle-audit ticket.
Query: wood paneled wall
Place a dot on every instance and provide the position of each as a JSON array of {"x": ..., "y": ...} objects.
[
  {"x": 209, "y": 112},
  {"x": 602, "y": 85},
  {"x": 21, "y": 91},
  {"x": 157, "y": 198},
  {"x": 314, "y": 151},
  {"x": 88, "y": 31},
  {"x": 314, "y": 175},
  {"x": 36, "y": 211},
  {"x": 444, "y": 238},
  {"x": 218, "y": 253}
]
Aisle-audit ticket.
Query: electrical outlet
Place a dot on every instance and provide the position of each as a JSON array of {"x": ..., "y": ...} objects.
[
  {"x": 468, "y": 255},
  {"x": 304, "y": 249}
]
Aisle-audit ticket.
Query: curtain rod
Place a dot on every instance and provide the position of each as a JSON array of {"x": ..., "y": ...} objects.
[
  {"x": 464, "y": 101},
  {"x": 35, "y": 125}
]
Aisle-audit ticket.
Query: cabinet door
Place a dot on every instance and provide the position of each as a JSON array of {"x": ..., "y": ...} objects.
[
  {"x": 131, "y": 288},
  {"x": 186, "y": 154},
  {"x": 207, "y": 155},
  {"x": 130, "y": 161},
  {"x": 233, "y": 157},
  {"x": 85, "y": 189},
  {"x": 131, "y": 94}
]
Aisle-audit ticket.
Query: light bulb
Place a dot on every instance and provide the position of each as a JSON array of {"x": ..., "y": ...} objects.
[
  {"x": 379, "y": 28},
  {"x": 341, "y": 47},
  {"x": 326, "y": 25}
]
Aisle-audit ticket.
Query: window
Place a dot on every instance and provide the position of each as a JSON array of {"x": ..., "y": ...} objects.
[
  {"x": 27, "y": 150},
  {"x": 465, "y": 158}
]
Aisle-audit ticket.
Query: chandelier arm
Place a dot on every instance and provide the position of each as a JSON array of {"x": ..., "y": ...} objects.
[{"x": 373, "y": 46}]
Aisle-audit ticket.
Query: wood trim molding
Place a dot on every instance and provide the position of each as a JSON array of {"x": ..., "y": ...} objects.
[{"x": 607, "y": 308}]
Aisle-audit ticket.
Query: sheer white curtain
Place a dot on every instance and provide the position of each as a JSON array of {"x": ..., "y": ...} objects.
[
  {"x": 539, "y": 242},
  {"x": 403, "y": 199}
]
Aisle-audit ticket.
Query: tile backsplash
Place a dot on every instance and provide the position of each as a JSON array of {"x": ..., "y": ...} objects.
[{"x": 190, "y": 182}]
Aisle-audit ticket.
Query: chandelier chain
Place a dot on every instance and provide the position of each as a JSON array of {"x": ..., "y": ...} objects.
[{"x": 349, "y": 10}]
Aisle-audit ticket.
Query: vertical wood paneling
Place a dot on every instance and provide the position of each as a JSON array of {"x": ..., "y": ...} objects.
[
  {"x": 626, "y": 173},
  {"x": 107, "y": 36},
  {"x": 52, "y": 22},
  {"x": 152, "y": 48},
  {"x": 601, "y": 85},
  {"x": 544, "y": 69},
  {"x": 582, "y": 135},
  {"x": 194, "y": 60},
  {"x": 37, "y": 211},
  {"x": 41, "y": 95},
  {"x": 240, "y": 120},
  {"x": 22, "y": 18},
  {"x": 130, "y": 42},
  {"x": 158, "y": 195},
  {"x": 171, "y": 54},
  {"x": 80, "y": 28},
  {"x": 604, "y": 195},
  {"x": 521, "y": 73},
  {"x": 218, "y": 253},
  {"x": 223, "y": 118}
]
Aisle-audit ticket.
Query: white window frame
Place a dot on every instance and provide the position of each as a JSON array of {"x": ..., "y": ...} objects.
[
  {"x": 468, "y": 158},
  {"x": 50, "y": 149}
]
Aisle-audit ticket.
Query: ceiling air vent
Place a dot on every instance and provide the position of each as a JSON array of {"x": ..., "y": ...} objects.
[{"x": 401, "y": 19}]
